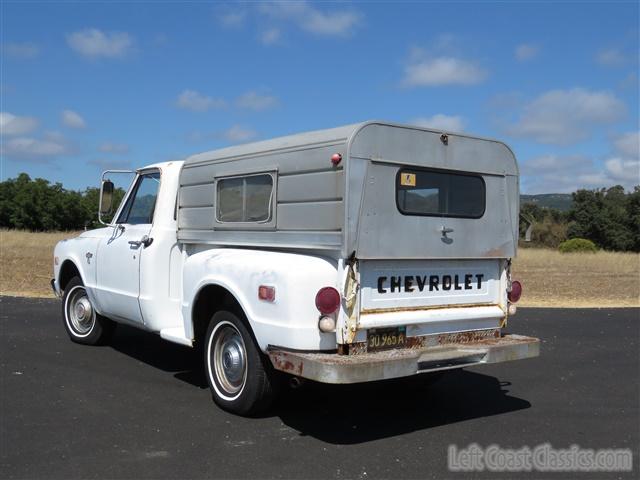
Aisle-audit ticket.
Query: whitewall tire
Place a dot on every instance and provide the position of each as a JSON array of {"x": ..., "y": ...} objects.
[
  {"x": 81, "y": 321},
  {"x": 239, "y": 376}
]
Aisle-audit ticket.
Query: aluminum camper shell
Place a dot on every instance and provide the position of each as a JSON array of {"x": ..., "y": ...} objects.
[{"x": 350, "y": 209}]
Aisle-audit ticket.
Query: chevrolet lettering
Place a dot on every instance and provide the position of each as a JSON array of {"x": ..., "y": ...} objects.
[{"x": 411, "y": 283}]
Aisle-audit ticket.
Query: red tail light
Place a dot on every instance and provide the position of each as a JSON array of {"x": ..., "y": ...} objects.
[
  {"x": 516, "y": 291},
  {"x": 327, "y": 300}
]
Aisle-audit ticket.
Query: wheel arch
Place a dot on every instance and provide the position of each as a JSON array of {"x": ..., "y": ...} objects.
[
  {"x": 68, "y": 270},
  {"x": 212, "y": 298}
]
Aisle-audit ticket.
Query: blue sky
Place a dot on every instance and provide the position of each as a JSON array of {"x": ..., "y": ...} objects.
[{"x": 87, "y": 86}]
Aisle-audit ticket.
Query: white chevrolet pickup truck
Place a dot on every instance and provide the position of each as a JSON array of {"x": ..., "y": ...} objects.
[{"x": 346, "y": 255}]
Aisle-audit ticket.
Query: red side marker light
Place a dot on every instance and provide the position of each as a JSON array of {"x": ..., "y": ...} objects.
[
  {"x": 336, "y": 158},
  {"x": 267, "y": 293},
  {"x": 516, "y": 291}
]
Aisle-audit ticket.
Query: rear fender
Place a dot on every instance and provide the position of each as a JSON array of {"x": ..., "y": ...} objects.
[{"x": 292, "y": 319}]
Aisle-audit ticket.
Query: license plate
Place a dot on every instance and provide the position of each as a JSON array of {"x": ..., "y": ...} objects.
[{"x": 386, "y": 338}]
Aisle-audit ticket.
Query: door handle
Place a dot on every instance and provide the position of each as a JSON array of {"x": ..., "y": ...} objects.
[
  {"x": 444, "y": 230},
  {"x": 146, "y": 241}
]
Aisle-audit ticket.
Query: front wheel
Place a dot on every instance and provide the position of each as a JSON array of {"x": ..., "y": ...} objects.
[
  {"x": 239, "y": 376},
  {"x": 82, "y": 323}
]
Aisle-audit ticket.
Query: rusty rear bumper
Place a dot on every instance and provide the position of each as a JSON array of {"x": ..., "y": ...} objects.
[{"x": 334, "y": 368}]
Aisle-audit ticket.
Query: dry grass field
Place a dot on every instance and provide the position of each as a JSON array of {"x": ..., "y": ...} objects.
[
  {"x": 550, "y": 279},
  {"x": 26, "y": 261},
  {"x": 554, "y": 279}
]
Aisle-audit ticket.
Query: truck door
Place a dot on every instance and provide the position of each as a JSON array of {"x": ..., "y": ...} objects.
[{"x": 118, "y": 257}]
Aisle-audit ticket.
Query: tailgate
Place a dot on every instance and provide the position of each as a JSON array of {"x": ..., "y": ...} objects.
[
  {"x": 431, "y": 296},
  {"x": 393, "y": 285}
]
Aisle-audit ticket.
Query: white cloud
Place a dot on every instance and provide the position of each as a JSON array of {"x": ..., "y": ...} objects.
[
  {"x": 563, "y": 117},
  {"x": 232, "y": 19},
  {"x": 54, "y": 136},
  {"x": 116, "y": 148},
  {"x": 560, "y": 174},
  {"x": 336, "y": 23},
  {"x": 624, "y": 166},
  {"x": 439, "y": 71},
  {"x": 251, "y": 100},
  {"x": 567, "y": 173},
  {"x": 610, "y": 57},
  {"x": 197, "y": 102},
  {"x": 311, "y": 19},
  {"x": 256, "y": 101},
  {"x": 35, "y": 150},
  {"x": 526, "y": 51},
  {"x": 623, "y": 171},
  {"x": 72, "y": 119},
  {"x": 628, "y": 144},
  {"x": 94, "y": 43},
  {"x": 548, "y": 162},
  {"x": 11, "y": 124},
  {"x": 234, "y": 134},
  {"x": 238, "y": 133},
  {"x": 21, "y": 50},
  {"x": 448, "y": 123},
  {"x": 270, "y": 36}
]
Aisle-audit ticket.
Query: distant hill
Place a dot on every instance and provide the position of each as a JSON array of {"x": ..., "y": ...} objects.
[{"x": 561, "y": 201}]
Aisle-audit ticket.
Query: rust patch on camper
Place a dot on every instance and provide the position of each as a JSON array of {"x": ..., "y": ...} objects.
[
  {"x": 281, "y": 361},
  {"x": 501, "y": 251}
]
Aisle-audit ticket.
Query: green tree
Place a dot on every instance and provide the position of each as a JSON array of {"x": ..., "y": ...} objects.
[
  {"x": 39, "y": 205},
  {"x": 607, "y": 217},
  {"x": 633, "y": 209}
]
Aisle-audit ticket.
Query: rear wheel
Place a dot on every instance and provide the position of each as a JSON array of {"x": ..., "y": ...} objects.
[
  {"x": 82, "y": 323},
  {"x": 240, "y": 378}
]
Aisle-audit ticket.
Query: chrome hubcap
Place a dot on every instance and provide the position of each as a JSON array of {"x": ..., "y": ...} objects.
[
  {"x": 81, "y": 314},
  {"x": 229, "y": 359}
]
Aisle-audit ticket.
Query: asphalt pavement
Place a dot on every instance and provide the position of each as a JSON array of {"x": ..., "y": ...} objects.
[{"x": 140, "y": 408}]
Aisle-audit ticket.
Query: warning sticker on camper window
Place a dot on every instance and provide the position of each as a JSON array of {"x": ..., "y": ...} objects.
[{"x": 408, "y": 179}]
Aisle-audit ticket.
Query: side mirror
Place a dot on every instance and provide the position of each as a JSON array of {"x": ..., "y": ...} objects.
[{"x": 106, "y": 199}]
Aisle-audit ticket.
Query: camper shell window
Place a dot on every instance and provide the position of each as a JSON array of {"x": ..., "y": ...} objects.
[
  {"x": 245, "y": 199},
  {"x": 440, "y": 193}
]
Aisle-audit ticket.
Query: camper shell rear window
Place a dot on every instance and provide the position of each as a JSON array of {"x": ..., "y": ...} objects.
[{"x": 440, "y": 193}]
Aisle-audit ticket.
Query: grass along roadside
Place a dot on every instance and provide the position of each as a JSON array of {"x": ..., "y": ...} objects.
[
  {"x": 27, "y": 262},
  {"x": 554, "y": 279},
  {"x": 550, "y": 278}
]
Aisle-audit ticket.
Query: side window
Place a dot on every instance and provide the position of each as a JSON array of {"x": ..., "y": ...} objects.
[
  {"x": 246, "y": 199},
  {"x": 141, "y": 205}
]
